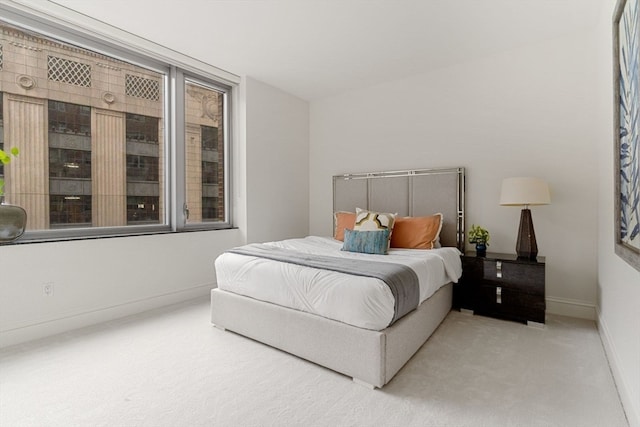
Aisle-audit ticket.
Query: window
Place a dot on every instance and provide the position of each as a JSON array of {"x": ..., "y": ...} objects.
[
  {"x": 143, "y": 169},
  {"x": 209, "y": 138},
  {"x": 142, "y": 209},
  {"x": 210, "y": 162},
  {"x": 69, "y": 164},
  {"x": 67, "y": 118},
  {"x": 93, "y": 117},
  {"x": 142, "y": 129},
  {"x": 209, "y": 207},
  {"x": 209, "y": 172},
  {"x": 205, "y": 152},
  {"x": 69, "y": 211},
  {"x": 71, "y": 115}
]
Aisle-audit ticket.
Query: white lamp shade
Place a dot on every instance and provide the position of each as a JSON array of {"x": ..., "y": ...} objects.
[{"x": 524, "y": 191}]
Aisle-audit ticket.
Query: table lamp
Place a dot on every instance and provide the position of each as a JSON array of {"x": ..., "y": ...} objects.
[{"x": 525, "y": 191}]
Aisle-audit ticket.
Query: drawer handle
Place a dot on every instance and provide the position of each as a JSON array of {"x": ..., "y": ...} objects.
[
  {"x": 498, "y": 295},
  {"x": 499, "y": 269}
]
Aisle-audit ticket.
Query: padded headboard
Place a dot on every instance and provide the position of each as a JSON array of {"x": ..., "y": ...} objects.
[{"x": 409, "y": 193}]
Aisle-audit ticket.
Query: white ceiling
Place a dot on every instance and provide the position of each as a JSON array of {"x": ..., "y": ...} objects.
[{"x": 316, "y": 48}]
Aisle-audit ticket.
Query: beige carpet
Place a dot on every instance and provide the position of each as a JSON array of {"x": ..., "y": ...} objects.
[{"x": 170, "y": 367}]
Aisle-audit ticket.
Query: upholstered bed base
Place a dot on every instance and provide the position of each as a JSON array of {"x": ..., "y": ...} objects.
[{"x": 370, "y": 357}]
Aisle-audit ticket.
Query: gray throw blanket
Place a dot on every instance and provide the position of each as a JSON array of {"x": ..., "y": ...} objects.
[{"x": 402, "y": 280}]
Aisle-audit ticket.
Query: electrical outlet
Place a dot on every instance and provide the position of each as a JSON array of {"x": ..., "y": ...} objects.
[{"x": 47, "y": 289}]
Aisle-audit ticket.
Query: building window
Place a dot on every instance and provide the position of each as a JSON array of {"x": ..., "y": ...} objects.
[
  {"x": 210, "y": 207},
  {"x": 209, "y": 138},
  {"x": 142, "y": 209},
  {"x": 142, "y": 128},
  {"x": 143, "y": 169},
  {"x": 65, "y": 117},
  {"x": 209, "y": 155},
  {"x": 65, "y": 163},
  {"x": 69, "y": 164},
  {"x": 143, "y": 189},
  {"x": 70, "y": 211},
  {"x": 209, "y": 172},
  {"x": 94, "y": 121}
]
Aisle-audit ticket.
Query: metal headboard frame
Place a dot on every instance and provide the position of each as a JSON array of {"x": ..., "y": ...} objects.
[{"x": 460, "y": 190}]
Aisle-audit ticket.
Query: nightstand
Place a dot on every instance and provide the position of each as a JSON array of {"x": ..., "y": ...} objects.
[{"x": 502, "y": 286}]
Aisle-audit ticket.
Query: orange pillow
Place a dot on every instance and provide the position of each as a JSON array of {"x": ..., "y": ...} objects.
[
  {"x": 343, "y": 220},
  {"x": 416, "y": 232}
]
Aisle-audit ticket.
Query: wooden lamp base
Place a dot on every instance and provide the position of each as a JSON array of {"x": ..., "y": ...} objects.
[{"x": 526, "y": 247}]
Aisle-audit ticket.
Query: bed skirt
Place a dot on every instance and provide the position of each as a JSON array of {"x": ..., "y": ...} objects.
[{"x": 369, "y": 357}]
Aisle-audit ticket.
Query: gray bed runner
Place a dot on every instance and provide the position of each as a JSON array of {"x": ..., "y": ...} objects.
[{"x": 401, "y": 280}]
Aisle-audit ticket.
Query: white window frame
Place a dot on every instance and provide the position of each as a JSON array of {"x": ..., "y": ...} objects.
[
  {"x": 54, "y": 21},
  {"x": 180, "y": 203}
]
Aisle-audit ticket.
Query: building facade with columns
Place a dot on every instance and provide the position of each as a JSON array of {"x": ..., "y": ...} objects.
[{"x": 91, "y": 134}]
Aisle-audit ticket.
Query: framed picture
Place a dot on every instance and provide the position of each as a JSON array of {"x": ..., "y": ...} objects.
[{"x": 626, "y": 55}]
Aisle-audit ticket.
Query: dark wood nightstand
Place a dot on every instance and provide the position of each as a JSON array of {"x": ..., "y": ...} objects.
[{"x": 502, "y": 286}]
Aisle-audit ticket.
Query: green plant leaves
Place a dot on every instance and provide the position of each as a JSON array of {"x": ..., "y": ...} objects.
[
  {"x": 478, "y": 234},
  {"x": 5, "y": 158}
]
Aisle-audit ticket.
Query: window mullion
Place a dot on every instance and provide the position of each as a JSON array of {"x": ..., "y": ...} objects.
[{"x": 178, "y": 147}]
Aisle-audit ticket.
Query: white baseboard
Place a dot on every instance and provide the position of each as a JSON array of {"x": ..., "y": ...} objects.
[
  {"x": 32, "y": 332},
  {"x": 571, "y": 308},
  {"x": 631, "y": 408}
]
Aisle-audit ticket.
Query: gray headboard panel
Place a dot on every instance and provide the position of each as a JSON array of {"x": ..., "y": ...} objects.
[{"x": 409, "y": 193}]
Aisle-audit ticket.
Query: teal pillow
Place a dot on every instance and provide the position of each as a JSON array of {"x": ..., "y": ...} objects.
[{"x": 366, "y": 242}]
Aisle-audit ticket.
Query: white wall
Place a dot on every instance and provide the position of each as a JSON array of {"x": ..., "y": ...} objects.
[
  {"x": 526, "y": 112},
  {"x": 277, "y": 126},
  {"x": 618, "y": 282},
  {"x": 98, "y": 280}
]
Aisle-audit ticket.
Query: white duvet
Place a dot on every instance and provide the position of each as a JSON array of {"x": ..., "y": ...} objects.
[{"x": 364, "y": 302}]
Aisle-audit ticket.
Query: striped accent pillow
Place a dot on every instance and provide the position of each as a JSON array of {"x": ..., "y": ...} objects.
[{"x": 366, "y": 242}]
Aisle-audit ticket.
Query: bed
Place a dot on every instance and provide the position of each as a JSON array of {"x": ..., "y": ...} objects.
[{"x": 370, "y": 348}]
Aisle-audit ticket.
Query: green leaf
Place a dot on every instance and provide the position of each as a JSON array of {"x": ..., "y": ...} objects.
[
  {"x": 15, "y": 151},
  {"x": 477, "y": 234}
]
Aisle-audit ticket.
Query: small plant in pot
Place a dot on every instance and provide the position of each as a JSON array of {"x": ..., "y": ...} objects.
[
  {"x": 13, "y": 219},
  {"x": 479, "y": 236}
]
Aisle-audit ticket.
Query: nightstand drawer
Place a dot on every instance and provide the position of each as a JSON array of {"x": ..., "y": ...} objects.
[
  {"x": 527, "y": 278},
  {"x": 508, "y": 303}
]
